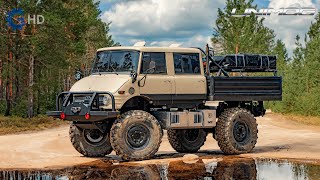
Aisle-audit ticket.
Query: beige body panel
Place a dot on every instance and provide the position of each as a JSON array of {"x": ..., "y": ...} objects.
[
  {"x": 155, "y": 84},
  {"x": 104, "y": 82},
  {"x": 190, "y": 84}
]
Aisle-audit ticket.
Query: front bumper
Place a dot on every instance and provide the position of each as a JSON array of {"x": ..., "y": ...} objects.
[{"x": 77, "y": 111}]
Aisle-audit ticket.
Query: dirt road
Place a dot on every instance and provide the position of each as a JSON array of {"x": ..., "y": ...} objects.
[{"x": 278, "y": 138}]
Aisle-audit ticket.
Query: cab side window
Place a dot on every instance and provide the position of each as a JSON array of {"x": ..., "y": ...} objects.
[
  {"x": 153, "y": 63},
  {"x": 186, "y": 63}
]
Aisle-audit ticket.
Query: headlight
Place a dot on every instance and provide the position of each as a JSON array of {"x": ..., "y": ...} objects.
[
  {"x": 104, "y": 100},
  {"x": 85, "y": 100},
  {"x": 82, "y": 99}
]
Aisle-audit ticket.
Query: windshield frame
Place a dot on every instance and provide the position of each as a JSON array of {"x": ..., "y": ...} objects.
[{"x": 94, "y": 71}]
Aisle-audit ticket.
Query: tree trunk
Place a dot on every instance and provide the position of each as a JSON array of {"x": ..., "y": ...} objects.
[
  {"x": 9, "y": 77},
  {"x": 8, "y": 101},
  {"x": 39, "y": 85},
  {"x": 31, "y": 82},
  {"x": 1, "y": 81}
]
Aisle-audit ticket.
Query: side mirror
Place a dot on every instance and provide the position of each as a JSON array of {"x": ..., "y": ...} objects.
[
  {"x": 78, "y": 75},
  {"x": 133, "y": 75}
]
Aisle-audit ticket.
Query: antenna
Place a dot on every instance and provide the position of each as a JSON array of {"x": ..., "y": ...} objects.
[{"x": 140, "y": 43}]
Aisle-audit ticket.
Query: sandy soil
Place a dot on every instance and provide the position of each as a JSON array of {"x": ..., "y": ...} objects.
[{"x": 278, "y": 138}]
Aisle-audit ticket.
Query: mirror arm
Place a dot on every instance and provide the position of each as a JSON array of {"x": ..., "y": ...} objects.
[
  {"x": 143, "y": 78},
  {"x": 134, "y": 79}
]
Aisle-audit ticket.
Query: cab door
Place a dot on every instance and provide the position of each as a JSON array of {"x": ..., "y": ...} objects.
[
  {"x": 190, "y": 82},
  {"x": 155, "y": 84}
]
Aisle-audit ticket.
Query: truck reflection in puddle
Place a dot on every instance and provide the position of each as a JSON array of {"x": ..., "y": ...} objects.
[{"x": 217, "y": 168}]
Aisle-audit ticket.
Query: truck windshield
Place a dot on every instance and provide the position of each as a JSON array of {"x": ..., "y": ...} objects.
[{"x": 116, "y": 61}]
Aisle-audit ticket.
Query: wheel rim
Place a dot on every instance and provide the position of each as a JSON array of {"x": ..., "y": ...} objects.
[
  {"x": 138, "y": 136},
  {"x": 93, "y": 136},
  {"x": 241, "y": 131},
  {"x": 191, "y": 135}
]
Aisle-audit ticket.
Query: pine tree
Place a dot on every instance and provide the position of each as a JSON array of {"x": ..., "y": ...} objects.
[
  {"x": 36, "y": 61},
  {"x": 242, "y": 34},
  {"x": 311, "y": 69},
  {"x": 293, "y": 81},
  {"x": 282, "y": 55},
  {"x": 282, "y": 66}
]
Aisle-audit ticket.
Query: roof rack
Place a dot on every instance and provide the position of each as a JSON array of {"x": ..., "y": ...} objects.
[{"x": 245, "y": 63}]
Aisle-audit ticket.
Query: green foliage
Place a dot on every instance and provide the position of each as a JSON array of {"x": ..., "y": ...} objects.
[
  {"x": 301, "y": 80},
  {"x": 247, "y": 34},
  {"x": 66, "y": 42}
]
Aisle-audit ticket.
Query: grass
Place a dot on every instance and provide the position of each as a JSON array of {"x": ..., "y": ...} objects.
[
  {"x": 10, "y": 125},
  {"x": 308, "y": 120}
]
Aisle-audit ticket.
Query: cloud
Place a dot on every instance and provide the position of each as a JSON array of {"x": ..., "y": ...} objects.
[
  {"x": 160, "y": 22},
  {"x": 190, "y": 22},
  {"x": 194, "y": 41},
  {"x": 287, "y": 27}
]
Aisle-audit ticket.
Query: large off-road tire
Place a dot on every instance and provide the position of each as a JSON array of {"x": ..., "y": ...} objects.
[
  {"x": 186, "y": 140},
  {"x": 90, "y": 142},
  {"x": 136, "y": 135},
  {"x": 236, "y": 131}
]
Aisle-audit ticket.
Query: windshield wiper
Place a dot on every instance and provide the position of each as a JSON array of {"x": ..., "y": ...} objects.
[
  {"x": 99, "y": 71},
  {"x": 114, "y": 70}
]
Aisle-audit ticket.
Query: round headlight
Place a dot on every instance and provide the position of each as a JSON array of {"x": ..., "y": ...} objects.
[{"x": 106, "y": 100}]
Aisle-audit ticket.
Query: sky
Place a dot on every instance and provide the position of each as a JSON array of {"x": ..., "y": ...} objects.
[{"x": 190, "y": 22}]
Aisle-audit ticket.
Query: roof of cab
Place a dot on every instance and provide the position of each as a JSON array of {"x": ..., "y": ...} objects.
[{"x": 153, "y": 49}]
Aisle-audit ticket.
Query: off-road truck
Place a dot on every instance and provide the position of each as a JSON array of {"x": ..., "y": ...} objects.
[{"x": 134, "y": 93}]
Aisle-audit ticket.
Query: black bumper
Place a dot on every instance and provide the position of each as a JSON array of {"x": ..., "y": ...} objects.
[{"x": 69, "y": 110}]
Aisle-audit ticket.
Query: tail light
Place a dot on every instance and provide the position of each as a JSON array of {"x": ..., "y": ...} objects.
[
  {"x": 62, "y": 115},
  {"x": 87, "y": 116}
]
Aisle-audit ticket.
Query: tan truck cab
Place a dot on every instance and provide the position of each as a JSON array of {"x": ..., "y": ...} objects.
[{"x": 159, "y": 75}]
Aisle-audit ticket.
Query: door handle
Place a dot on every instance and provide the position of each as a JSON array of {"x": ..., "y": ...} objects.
[
  {"x": 201, "y": 81},
  {"x": 167, "y": 81}
]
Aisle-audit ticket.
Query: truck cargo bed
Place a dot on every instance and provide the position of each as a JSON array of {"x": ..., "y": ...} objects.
[{"x": 244, "y": 88}]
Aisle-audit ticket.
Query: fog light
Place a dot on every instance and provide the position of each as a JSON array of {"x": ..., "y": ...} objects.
[
  {"x": 87, "y": 116},
  {"x": 62, "y": 115}
]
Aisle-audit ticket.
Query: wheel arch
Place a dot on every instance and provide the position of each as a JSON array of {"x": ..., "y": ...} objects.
[
  {"x": 255, "y": 107},
  {"x": 136, "y": 103}
]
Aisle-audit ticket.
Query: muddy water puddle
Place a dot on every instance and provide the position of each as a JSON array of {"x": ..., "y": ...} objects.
[{"x": 210, "y": 168}]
